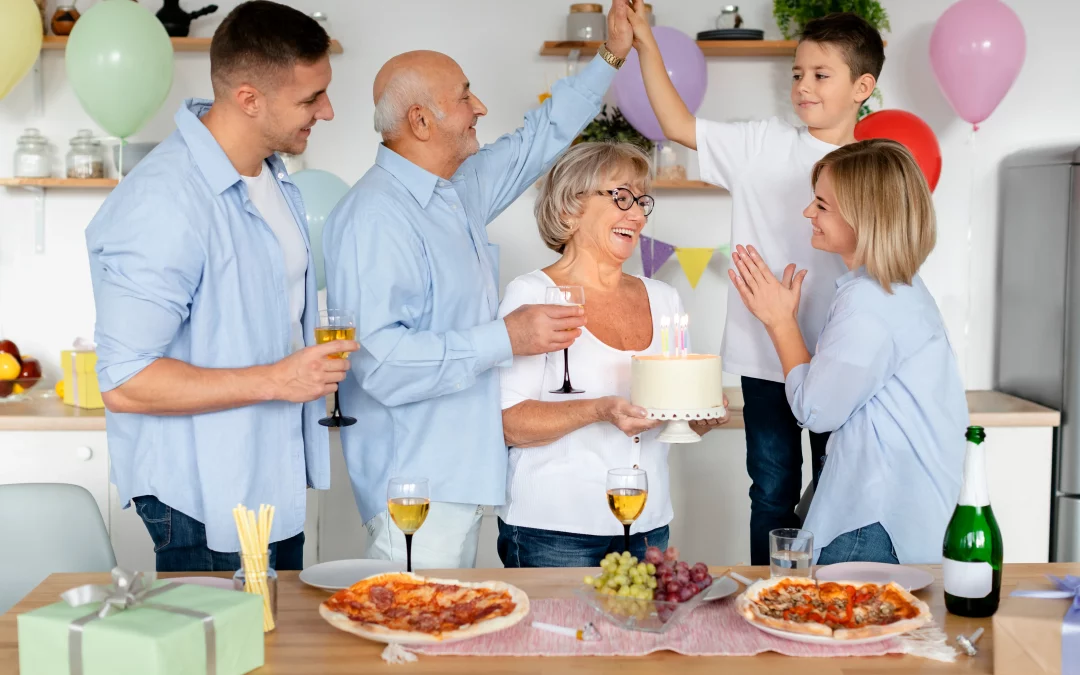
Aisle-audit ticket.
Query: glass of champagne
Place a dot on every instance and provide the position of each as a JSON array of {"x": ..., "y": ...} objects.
[
  {"x": 336, "y": 324},
  {"x": 627, "y": 490},
  {"x": 566, "y": 295},
  {"x": 790, "y": 552},
  {"x": 408, "y": 503}
]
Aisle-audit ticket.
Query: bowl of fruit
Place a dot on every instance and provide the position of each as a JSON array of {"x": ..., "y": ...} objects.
[
  {"x": 18, "y": 373},
  {"x": 650, "y": 595}
]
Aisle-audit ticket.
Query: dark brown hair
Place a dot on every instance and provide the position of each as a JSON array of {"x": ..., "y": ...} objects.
[
  {"x": 260, "y": 38},
  {"x": 858, "y": 41}
]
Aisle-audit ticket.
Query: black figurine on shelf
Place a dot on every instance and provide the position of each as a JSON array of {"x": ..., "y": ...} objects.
[{"x": 177, "y": 22}]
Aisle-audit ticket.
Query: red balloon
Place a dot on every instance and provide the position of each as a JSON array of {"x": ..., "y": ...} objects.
[{"x": 911, "y": 132}]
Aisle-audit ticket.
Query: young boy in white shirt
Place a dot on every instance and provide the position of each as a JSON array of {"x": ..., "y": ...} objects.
[{"x": 766, "y": 166}]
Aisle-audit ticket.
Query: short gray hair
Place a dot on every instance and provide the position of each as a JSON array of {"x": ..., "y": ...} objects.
[
  {"x": 404, "y": 90},
  {"x": 577, "y": 174}
]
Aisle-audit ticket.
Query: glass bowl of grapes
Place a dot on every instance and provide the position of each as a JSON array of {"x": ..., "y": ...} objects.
[{"x": 650, "y": 595}]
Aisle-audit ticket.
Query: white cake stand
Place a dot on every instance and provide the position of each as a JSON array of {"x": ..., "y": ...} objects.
[{"x": 678, "y": 428}]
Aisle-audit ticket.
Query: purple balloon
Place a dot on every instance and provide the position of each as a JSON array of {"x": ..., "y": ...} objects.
[
  {"x": 976, "y": 50},
  {"x": 685, "y": 66}
]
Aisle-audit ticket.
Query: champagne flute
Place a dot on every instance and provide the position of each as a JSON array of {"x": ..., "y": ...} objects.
[
  {"x": 627, "y": 491},
  {"x": 408, "y": 503},
  {"x": 336, "y": 324},
  {"x": 566, "y": 295}
]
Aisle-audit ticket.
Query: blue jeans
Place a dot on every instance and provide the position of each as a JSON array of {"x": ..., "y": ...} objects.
[
  {"x": 866, "y": 544},
  {"x": 774, "y": 462},
  {"x": 530, "y": 547},
  {"x": 180, "y": 543}
]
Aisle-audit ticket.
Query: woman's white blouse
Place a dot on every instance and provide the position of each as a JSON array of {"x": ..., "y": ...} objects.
[{"x": 562, "y": 486}]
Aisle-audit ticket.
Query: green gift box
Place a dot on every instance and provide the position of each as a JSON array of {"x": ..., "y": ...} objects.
[{"x": 148, "y": 628}]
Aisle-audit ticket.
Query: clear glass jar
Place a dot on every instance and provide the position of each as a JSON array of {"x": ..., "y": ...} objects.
[
  {"x": 32, "y": 156},
  {"x": 586, "y": 22},
  {"x": 262, "y": 580},
  {"x": 670, "y": 161},
  {"x": 86, "y": 158},
  {"x": 729, "y": 18}
]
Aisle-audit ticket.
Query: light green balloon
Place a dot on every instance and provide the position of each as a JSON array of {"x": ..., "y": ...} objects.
[
  {"x": 120, "y": 63},
  {"x": 321, "y": 191}
]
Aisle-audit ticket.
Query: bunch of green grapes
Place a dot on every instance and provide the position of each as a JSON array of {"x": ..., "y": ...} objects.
[{"x": 624, "y": 576}]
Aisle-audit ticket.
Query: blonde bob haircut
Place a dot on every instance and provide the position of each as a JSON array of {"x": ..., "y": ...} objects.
[
  {"x": 882, "y": 193},
  {"x": 579, "y": 174}
]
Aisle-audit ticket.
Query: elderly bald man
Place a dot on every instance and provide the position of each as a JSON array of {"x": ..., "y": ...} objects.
[{"x": 407, "y": 250}]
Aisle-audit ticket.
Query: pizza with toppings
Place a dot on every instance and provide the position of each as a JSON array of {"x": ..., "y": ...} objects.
[
  {"x": 843, "y": 610},
  {"x": 406, "y": 608}
]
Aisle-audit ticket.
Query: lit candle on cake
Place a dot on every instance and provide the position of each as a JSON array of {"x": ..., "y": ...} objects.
[
  {"x": 664, "y": 322},
  {"x": 683, "y": 322}
]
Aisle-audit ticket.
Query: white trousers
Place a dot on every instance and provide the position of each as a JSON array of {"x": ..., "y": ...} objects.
[{"x": 447, "y": 539}]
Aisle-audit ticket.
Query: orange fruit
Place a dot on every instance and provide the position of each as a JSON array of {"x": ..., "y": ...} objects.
[
  {"x": 9, "y": 367},
  {"x": 17, "y": 388},
  {"x": 60, "y": 389}
]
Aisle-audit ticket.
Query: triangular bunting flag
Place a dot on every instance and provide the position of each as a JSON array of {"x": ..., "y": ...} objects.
[
  {"x": 654, "y": 253},
  {"x": 724, "y": 250},
  {"x": 694, "y": 261}
]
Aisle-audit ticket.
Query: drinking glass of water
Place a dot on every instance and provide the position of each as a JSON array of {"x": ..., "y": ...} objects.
[{"x": 790, "y": 552}]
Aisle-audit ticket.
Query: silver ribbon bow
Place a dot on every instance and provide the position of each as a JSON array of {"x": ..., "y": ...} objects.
[{"x": 128, "y": 590}]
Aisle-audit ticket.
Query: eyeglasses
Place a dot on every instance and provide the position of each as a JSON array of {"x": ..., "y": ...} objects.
[{"x": 625, "y": 199}]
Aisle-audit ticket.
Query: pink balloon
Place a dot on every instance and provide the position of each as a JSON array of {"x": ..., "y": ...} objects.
[
  {"x": 976, "y": 50},
  {"x": 685, "y": 66}
]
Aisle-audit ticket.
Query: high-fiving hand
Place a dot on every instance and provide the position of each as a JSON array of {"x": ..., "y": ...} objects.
[
  {"x": 773, "y": 301},
  {"x": 620, "y": 35}
]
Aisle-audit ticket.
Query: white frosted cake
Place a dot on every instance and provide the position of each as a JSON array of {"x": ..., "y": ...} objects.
[{"x": 691, "y": 382}]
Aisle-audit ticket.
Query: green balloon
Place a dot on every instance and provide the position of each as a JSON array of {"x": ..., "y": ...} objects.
[
  {"x": 321, "y": 191},
  {"x": 120, "y": 63}
]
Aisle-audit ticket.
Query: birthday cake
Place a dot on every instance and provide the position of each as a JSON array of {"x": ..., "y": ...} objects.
[{"x": 689, "y": 382}]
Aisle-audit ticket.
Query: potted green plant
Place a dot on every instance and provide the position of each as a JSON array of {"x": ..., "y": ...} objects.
[
  {"x": 610, "y": 125},
  {"x": 792, "y": 15}
]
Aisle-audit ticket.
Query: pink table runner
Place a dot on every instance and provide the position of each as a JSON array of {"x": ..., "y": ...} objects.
[{"x": 713, "y": 629}]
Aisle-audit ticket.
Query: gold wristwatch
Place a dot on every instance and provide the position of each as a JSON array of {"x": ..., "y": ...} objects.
[{"x": 613, "y": 60}]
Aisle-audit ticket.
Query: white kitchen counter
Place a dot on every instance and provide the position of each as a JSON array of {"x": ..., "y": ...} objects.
[{"x": 46, "y": 441}]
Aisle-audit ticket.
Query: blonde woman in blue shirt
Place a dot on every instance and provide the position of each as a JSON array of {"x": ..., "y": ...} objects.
[{"x": 883, "y": 377}]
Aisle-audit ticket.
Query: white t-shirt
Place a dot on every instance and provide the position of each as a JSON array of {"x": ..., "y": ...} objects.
[
  {"x": 766, "y": 166},
  {"x": 562, "y": 486},
  {"x": 265, "y": 194}
]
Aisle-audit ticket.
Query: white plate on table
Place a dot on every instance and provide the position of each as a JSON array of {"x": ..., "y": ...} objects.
[
  {"x": 338, "y": 574},
  {"x": 721, "y": 587},
  {"x": 911, "y": 578}
]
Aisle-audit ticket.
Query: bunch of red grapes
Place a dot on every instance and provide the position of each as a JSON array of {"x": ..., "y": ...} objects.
[{"x": 676, "y": 581}]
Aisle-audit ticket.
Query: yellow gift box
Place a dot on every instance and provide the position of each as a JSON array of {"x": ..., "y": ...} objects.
[{"x": 80, "y": 379}]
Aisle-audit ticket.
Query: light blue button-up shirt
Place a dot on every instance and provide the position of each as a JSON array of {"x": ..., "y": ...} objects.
[
  {"x": 184, "y": 267},
  {"x": 409, "y": 253},
  {"x": 884, "y": 381}
]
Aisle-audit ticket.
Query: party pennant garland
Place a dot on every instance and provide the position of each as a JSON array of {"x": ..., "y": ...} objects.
[{"x": 654, "y": 253}]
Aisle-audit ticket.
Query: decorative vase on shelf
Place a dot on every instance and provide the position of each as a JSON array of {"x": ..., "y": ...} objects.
[{"x": 177, "y": 22}]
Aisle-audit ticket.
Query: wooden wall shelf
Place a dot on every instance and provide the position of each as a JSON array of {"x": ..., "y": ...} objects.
[
  {"x": 669, "y": 184},
  {"x": 188, "y": 44},
  {"x": 84, "y": 183},
  {"x": 708, "y": 47}
]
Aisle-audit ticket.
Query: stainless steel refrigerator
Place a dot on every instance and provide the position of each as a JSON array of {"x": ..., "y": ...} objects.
[{"x": 1038, "y": 345}]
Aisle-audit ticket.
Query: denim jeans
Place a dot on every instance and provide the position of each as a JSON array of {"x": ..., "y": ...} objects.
[
  {"x": 530, "y": 547},
  {"x": 774, "y": 461},
  {"x": 866, "y": 544},
  {"x": 180, "y": 543}
]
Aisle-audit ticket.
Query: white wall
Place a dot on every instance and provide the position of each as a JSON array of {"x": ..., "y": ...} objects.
[{"x": 45, "y": 300}]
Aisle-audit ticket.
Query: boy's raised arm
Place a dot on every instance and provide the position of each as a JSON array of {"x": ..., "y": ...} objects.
[{"x": 676, "y": 120}]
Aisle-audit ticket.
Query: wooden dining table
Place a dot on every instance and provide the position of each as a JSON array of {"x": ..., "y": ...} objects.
[{"x": 304, "y": 643}]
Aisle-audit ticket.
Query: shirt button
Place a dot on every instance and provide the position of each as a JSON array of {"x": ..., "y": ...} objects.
[
  {"x": 281, "y": 176},
  {"x": 637, "y": 439}
]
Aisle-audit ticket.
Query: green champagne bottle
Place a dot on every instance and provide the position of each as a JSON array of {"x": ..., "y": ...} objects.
[{"x": 972, "y": 549}]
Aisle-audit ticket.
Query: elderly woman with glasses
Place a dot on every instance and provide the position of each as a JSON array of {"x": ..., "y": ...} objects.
[{"x": 591, "y": 210}]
